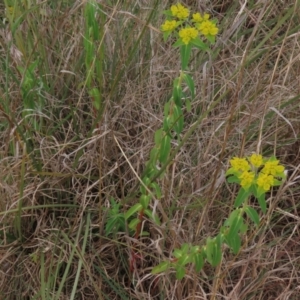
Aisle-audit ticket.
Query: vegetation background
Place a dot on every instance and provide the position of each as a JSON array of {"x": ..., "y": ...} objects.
[{"x": 69, "y": 165}]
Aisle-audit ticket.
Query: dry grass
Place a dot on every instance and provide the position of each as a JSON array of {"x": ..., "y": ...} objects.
[{"x": 65, "y": 173}]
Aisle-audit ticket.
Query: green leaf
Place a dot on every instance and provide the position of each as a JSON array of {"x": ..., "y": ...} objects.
[
  {"x": 144, "y": 200},
  {"x": 252, "y": 214},
  {"x": 149, "y": 214},
  {"x": 167, "y": 124},
  {"x": 166, "y": 34},
  {"x": 211, "y": 39},
  {"x": 209, "y": 249},
  {"x": 96, "y": 97},
  {"x": 199, "y": 261},
  {"x": 144, "y": 233},
  {"x": 157, "y": 189},
  {"x": 213, "y": 250},
  {"x": 190, "y": 83},
  {"x": 167, "y": 108},
  {"x": 233, "y": 179},
  {"x": 241, "y": 197},
  {"x": 185, "y": 53},
  {"x": 163, "y": 266},
  {"x": 262, "y": 202},
  {"x": 235, "y": 244},
  {"x": 234, "y": 227},
  {"x": 134, "y": 209},
  {"x": 115, "y": 224},
  {"x": 158, "y": 136},
  {"x": 180, "y": 272},
  {"x": 177, "y": 92},
  {"x": 232, "y": 217},
  {"x": 146, "y": 180},
  {"x": 165, "y": 149},
  {"x": 184, "y": 260},
  {"x": 218, "y": 255},
  {"x": 168, "y": 13},
  {"x": 199, "y": 44},
  {"x": 178, "y": 118},
  {"x": 182, "y": 252},
  {"x": 153, "y": 155},
  {"x": 232, "y": 171},
  {"x": 178, "y": 43},
  {"x": 133, "y": 223},
  {"x": 243, "y": 228},
  {"x": 177, "y": 253}
]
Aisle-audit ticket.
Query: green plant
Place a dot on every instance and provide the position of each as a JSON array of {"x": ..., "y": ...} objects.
[
  {"x": 115, "y": 219},
  {"x": 256, "y": 175},
  {"x": 186, "y": 30},
  {"x": 94, "y": 54}
]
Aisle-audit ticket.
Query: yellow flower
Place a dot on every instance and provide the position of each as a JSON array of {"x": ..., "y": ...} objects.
[
  {"x": 188, "y": 34},
  {"x": 207, "y": 28},
  {"x": 169, "y": 25},
  {"x": 256, "y": 160},
  {"x": 198, "y": 18},
  {"x": 265, "y": 181},
  {"x": 273, "y": 168},
  {"x": 179, "y": 11},
  {"x": 246, "y": 179},
  {"x": 239, "y": 164}
]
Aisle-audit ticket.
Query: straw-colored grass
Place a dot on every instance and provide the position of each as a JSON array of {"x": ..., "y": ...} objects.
[{"x": 62, "y": 160}]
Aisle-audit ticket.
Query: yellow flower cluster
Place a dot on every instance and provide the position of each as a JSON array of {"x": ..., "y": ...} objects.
[
  {"x": 257, "y": 171},
  {"x": 179, "y": 11},
  {"x": 188, "y": 34},
  {"x": 207, "y": 28},
  {"x": 197, "y": 18},
  {"x": 189, "y": 29},
  {"x": 169, "y": 25},
  {"x": 204, "y": 25}
]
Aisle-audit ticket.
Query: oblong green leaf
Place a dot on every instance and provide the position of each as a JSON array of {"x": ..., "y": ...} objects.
[
  {"x": 178, "y": 119},
  {"x": 163, "y": 266},
  {"x": 185, "y": 53},
  {"x": 167, "y": 108},
  {"x": 158, "y": 136},
  {"x": 262, "y": 202},
  {"x": 157, "y": 189},
  {"x": 150, "y": 215},
  {"x": 252, "y": 214},
  {"x": 235, "y": 244},
  {"x": 96, "y": 97},
  {"x": 178, "y": 43},
  {"x": 218, "y": 250},
  {"x": 235, "y": 227},
  {"x": 233, "y": 215},
  {"x": 209, "y": 249},
  {"x": 233, "y": 179},
  {"x": 165, "y": 149},
  {"x": 214, "y": 250},
  {"x": 199, "y": 44},
  {"x": 241, "y": 197},
  {"x": 144, "y": 200},
  {"x": 177, "y": 92},
  {"x": 199, "y": 261},
  {"x": 133, "y": 223},
  {"x": 190, "y": 83},
  {"x": 135, "y": 208},
  {"x": 180, "y": 272}
]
